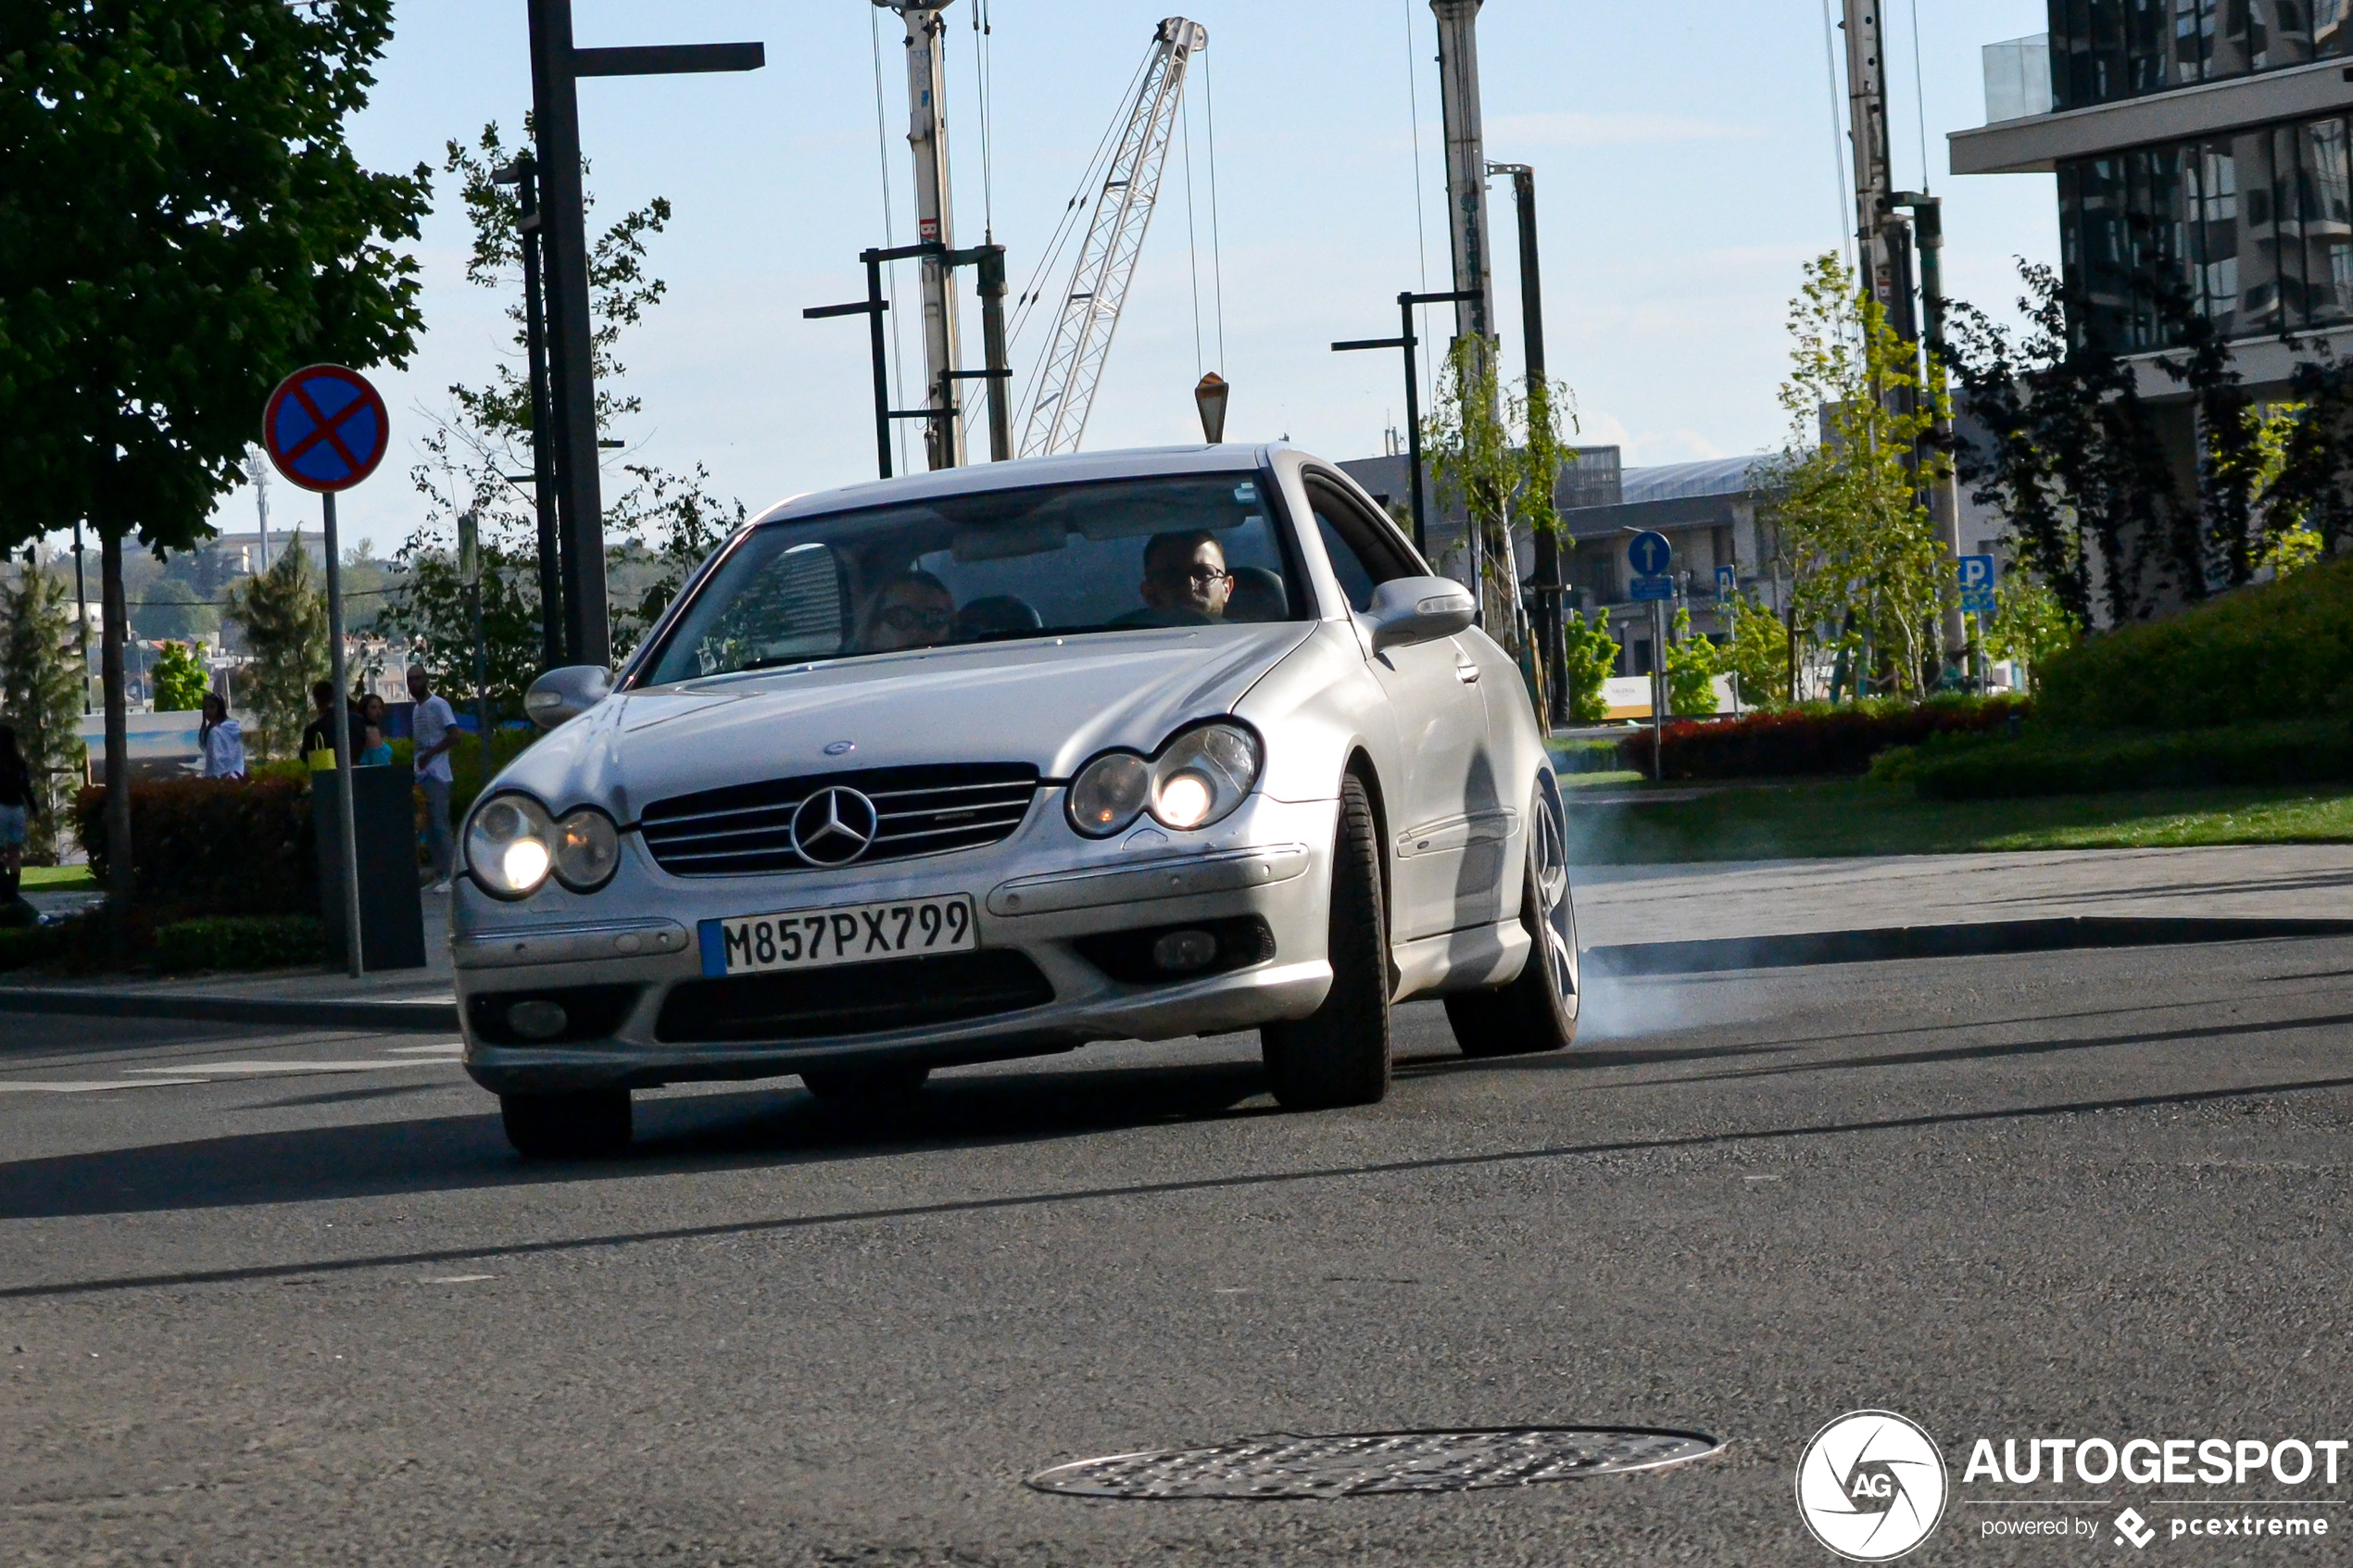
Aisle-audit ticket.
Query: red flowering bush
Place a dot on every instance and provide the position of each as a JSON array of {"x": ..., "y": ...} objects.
[{"x": 1814, "y": 739}]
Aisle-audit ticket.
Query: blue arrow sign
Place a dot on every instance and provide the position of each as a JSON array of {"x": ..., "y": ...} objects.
[{"x": 1650, "y": 553}]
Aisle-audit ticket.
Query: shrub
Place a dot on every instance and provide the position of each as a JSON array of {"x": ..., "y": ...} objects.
[
  {"x": 21, "y": 947},
  {"x": 239, "y": 942},
  {"x": 2087, "y": 762},
  {"x": 2280, "y": 650},
  {"x": 219, "y": 846},
  {"x": 1814, "y": 739}
]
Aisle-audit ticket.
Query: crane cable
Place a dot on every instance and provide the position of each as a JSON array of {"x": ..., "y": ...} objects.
[
  {"x": 1032, "y": 291},
  {"x": 890, "y": 241},
  {"x": 1192, "y": 248},
  {"x": 1217, "y": 246},
  {"x": 1844, "y": 187},
  {"x": 1421, "y": 239},
  {"x": 984, "y": 74}
]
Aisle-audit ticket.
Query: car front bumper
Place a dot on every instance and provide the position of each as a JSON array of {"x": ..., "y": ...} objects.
[{"x": 1044, "y": 893}]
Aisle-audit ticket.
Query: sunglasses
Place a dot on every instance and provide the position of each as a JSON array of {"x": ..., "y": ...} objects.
[
  {"x": 906, "y": 618},
  {"x": 1203, "y": 575}
]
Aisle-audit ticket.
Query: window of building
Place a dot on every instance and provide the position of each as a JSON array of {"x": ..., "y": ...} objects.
[
  {"x": 2105, "y": 50},
  {"x": 2255, "y": 227}
]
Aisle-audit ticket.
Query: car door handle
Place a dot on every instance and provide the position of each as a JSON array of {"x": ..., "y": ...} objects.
[{"x": 1467, "y": 673}]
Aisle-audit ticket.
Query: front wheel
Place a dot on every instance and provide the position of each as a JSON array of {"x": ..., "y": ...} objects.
[
  {"x": 588, "y": 1124},
  {"x": 1338, "y": 1054},
  {"x": 1537, "y": 1011}
]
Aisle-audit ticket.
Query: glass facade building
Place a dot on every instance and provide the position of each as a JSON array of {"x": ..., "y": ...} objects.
[
  {"x": 2104, "y": 50},
  {"x": 2258, "y": 225}
]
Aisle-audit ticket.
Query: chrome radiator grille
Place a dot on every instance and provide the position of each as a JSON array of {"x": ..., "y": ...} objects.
[{"x": 747, "y": 829}]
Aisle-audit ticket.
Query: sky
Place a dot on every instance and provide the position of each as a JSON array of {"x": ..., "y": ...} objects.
[{"x": 1685, "y": 171}]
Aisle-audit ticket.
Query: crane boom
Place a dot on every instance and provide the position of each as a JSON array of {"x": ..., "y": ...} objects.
[{"x": 1073, "y": 362}]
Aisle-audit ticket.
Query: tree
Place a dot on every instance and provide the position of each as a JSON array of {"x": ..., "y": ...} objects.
[
  {"x": 2030, "y": 625},
  {"x": 658, "y": 527},
  {"x": 1692, "y": 664},
  {"x": 180, "y": 678},
  {"x": 284, "y": 619},
  {"x": 40, "y": 679},
  {"x": 1758, "y": 657},
  {"x": 1590, "y": 658},
  {"x": 1474, "y": 457},
  {"x": 182, "y": 222},
  {"x": 1856, "y": 537},
  {"x": 171, "y": 610}
]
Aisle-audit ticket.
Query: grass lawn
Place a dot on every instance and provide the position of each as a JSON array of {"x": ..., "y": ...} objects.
[
  {"x": 1800, "y": 820},
  {"x": 59, "y": 878}
]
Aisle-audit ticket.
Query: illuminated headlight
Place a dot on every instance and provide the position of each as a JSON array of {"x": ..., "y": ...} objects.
[
  {"x": 510, "y": 845},
  {"x": 1198, "y": 778},
  {"x": 587, "y": 849}
]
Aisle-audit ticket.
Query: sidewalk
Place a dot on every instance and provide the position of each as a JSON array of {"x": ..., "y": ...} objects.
[{"x": 1732, "y": 899}]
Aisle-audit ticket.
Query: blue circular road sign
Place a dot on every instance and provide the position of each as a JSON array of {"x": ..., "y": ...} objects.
[
  {"x": 1650, "y": 553},
  {"x": 325, "y": 428}
]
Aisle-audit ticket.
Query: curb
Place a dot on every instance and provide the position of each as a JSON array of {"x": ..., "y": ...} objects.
[
  {"x": 429, "y": 1015},
  {"x": 1704, "y": 956},
  {"x": 1968, "y": 939}
]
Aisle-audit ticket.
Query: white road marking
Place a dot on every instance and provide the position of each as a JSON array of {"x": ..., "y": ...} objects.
[
  {"x": 286, "y": 1067},
  {"x": 455, "y": 1047},
  {"x": 455, "y": 1279},
  {"x": 25, "y": 1086}
]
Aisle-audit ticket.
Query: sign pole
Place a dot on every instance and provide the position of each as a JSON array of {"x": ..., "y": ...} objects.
[
  {"x": 1658, "y": 689},
  {"x": 347, "y": 830}
]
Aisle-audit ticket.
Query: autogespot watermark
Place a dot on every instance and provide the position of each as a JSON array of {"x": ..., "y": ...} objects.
[{"x": 1872, "y": 1485}]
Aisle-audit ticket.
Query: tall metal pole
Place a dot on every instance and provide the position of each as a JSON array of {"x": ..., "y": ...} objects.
[
  {"x": 544, "y": 466},
  {"x": 555, "y": 92},
  {"x": 1413, "y": 421},
  {"x": 1549, "y": 585},
  {"x": 1882, "y": 246},
  {"x": 348, "y": 850},
  {"x": 928, "y": 135},
  {"x": 991, "y": 284},
  {"x": 1944, "y": 497},
  {"x": 257, "y": 470},
  {"x": 1466, "y": 207}
]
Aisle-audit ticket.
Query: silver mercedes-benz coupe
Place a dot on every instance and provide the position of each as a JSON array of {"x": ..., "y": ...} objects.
[{"x": 1010, "y": 759}]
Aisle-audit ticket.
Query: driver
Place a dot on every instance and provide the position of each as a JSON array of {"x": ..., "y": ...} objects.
[
  {"x": 1186, "y": 571},
  {"x": 914, "y": 610}
]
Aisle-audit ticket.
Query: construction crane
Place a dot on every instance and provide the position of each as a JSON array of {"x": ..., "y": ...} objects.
[{"x": 1073, "y": 364}]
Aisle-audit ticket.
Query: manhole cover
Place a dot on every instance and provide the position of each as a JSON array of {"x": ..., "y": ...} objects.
[{"x": 1285, "y": 1464}]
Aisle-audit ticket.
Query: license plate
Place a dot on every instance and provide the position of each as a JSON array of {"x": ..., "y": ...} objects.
[{"x": 904, "y": 928}]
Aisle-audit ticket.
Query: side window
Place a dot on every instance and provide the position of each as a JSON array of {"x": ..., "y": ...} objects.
[{"x": 1361, "y": 557}]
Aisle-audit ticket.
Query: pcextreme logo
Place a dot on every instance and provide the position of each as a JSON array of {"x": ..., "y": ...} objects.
[{"x": 1871, "y": 1486}]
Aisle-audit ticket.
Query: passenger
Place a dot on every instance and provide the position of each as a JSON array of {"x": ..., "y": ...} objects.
[
  {"x": 914, "y": 610},
  {"x": 1184, "y": 578}
]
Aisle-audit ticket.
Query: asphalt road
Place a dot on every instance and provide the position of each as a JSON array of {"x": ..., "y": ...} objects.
[{"x": 295, "y": 1317}]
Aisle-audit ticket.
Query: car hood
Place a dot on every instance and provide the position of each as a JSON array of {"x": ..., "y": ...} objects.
[{"x": 1048, "y": 704}]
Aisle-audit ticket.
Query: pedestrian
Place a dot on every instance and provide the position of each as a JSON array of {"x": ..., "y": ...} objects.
[
  {"x": 374, "y": 750},
  {"x": 319, "y": 733},
  {"x": 222, "y": 743},
  {"x": 436, "y": 728},
  {"x": 20, "y": 807}
]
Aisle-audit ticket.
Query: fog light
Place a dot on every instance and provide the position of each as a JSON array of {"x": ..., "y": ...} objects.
[
  {"x": 537, "y": 1020},
  {"x": 1181, "y": 950}
]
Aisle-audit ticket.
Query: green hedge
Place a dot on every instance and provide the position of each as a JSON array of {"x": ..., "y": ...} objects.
[
  {"x": 213, "y": 847},
  {"x": 2282, "y": 650},
  {"x": 239, "y": 942},
  {"x": 2081, "y": 762},
  {"x": 24, "y": 946}
]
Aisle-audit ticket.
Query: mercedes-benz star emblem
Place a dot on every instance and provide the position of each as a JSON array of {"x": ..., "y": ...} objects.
[{"x": 833, "y": 826}]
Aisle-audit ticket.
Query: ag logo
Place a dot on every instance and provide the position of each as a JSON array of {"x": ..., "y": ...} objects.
[{"x": 1871, "y": 1486}]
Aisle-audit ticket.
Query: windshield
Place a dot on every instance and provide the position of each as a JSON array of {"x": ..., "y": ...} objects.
[{"x": 1056, "y": 561}]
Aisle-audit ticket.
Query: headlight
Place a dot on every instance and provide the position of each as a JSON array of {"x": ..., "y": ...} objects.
[
  {"x": 1198, "y": 779},
  {"x": 587, "y": 849},
  {"x": 510, "y": 845},
  {"x": 1109, "y": 793}
]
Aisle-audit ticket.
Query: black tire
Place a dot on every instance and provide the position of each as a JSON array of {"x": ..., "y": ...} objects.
[
  {"x": 1338, "y": 1054},
  {"x": 864, "y": 1086},
  {"x": 1538, "y": 1011},
  {"x": 590, "y": 1124}
]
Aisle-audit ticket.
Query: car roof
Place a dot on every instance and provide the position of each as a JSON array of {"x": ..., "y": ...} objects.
[{"x": 1023, "y": 473}]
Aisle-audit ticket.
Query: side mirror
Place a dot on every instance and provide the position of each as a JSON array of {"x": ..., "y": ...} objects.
[
  {"x": 1417, "y": 610},
  {"x": 566, "y": 694}
]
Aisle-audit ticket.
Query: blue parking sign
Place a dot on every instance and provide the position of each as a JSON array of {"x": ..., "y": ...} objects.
[
  {"x": 1977, "y": 575},
  {"x": 1727, "y": 582}
]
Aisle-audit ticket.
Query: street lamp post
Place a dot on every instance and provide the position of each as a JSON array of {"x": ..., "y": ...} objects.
[{"x": 1405, "y": 340}]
